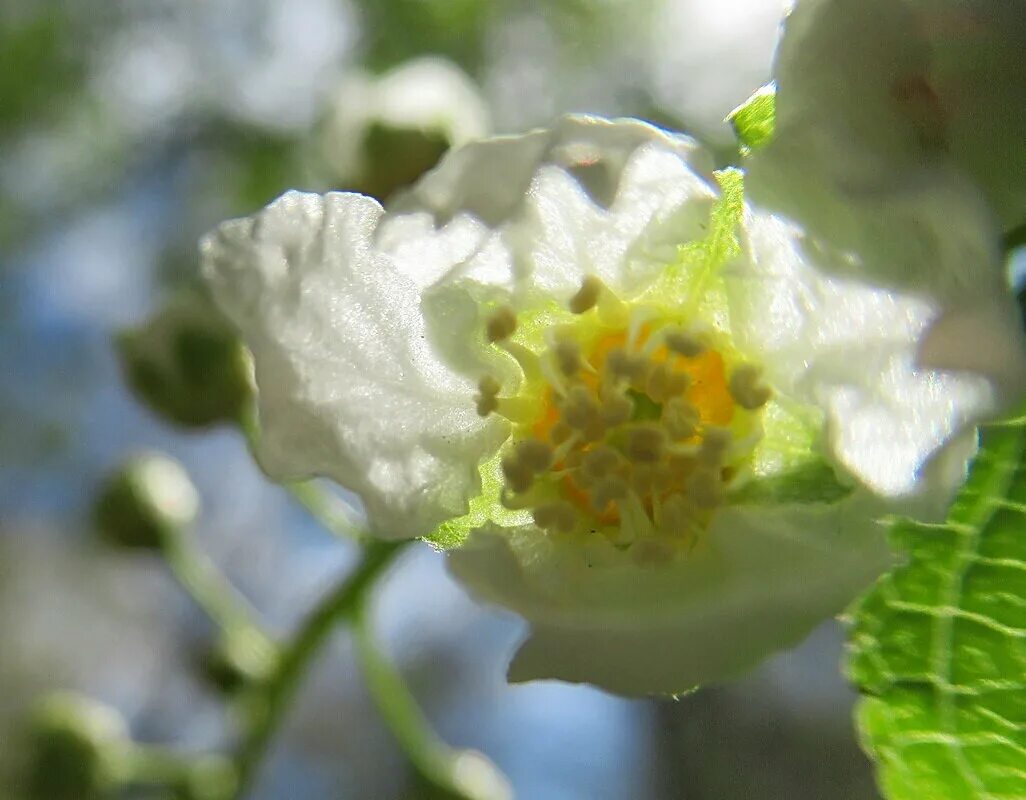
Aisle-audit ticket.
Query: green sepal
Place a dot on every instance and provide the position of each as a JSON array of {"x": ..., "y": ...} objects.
[
  {"x": 813, "y": 481},
  {"x": 486, "y": 507},
  {"x": 754, "y": 120}
]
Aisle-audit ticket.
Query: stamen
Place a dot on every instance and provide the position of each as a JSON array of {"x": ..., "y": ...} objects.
[
  {"x": 747, "y": 387},
  {"x": 534, "y": 455},
  {"x": 600, "y": 462},
  {"x": 501, "y": 324},
  {"x": 674, "y": 516},
  {"x": 645, "y": 444},
  {"x": 608, "y": 490},
  {"x": 685, "y": 343},
  {"x": 568, "y": 357},
  {"x": 715, "y": 443},
  {"x": 625, "y": 365},
  {"x": 705, "y": 488},
  {"x": 486, "y": 404},
  {"x": 518, "y": 476},
  {"x": 489, "y": 385},
  {"x": 616, "y": 409},
  {"x": 587, "y": 296},
  {"x": 680, "y": 418},
  {"x": 486, "y": 399},
  {"x": 558, "y": 516}
]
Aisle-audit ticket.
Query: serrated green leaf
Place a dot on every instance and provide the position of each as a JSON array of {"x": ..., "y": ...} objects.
[
  {"x": 754, "y": 120},
  {"x": 938, "y": 647}
]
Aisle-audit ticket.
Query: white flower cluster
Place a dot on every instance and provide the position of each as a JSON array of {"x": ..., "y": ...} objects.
[{"x": 643, "y": 414}]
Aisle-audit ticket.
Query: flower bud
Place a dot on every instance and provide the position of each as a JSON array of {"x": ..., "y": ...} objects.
[
  {"x": 76, "y": 744},
  {"x": 186, "y": 364},
  {"x": 145, "y": 502},
  {"x": 384, "y": 132},
  {"x": 241, "y": 658}
]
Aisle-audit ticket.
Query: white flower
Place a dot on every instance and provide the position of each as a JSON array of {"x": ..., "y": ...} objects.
[
  {"x": 898, "y": 147},
  {"x": 661, "y": 439}
]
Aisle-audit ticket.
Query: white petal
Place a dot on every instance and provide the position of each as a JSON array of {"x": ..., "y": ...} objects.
[
  {"x": 349, "y": 386},
  {"x": 589, "y": 196},
  {"x": 852, "y": 349},
  {"x": 759, "y": 581}
]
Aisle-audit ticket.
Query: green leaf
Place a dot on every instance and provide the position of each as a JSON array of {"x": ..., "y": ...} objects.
[
  {"x": 938, "y": 647},
  {"x": 754, "y": 120}
]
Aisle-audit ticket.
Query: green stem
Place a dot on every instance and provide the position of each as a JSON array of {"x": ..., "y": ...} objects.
[
  {"x": 201, "y": 578},
  {"x": 434, "y": 761},
  {"x": 327, "y": 509},
  {"x": 274, "y": 696}
]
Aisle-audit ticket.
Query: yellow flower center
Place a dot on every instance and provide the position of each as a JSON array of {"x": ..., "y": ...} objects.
[{"x": 630, "y": 423}]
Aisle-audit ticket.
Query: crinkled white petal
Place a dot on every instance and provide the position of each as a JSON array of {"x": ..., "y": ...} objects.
[
  {"x": 590, "y": 196},
  {"x": 759, "y": 580},
  {"x": 349, "y": 386},
  {"x": 852, "y": 349}
]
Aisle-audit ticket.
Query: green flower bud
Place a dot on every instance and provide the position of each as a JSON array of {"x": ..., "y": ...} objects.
[
  {"x": 242, "y": 657},
  {"x": 186, "y": 364},
  {"x": 76, "y": 747},
  {"x": 385, "y": 131},
  {"x": 145, "y": 502}
]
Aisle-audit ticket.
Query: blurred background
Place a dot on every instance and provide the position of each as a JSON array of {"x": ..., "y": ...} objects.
[{"x": 127, "y": 129}]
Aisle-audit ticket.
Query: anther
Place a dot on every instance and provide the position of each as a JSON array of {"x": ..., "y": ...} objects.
[
  {"x": 587, "y": 296},
  {"x": 599, "y": 462},
  {"x": 680, "y": 418},
  {"x": 715, "y": 442},
  {"x": 486, "y": 404},
  {"x": 662, "y": 382},
  {"x": 568, "y": 357},
  {"x": 645, "y": 444},
  {"x": 534, "y": 455},
  {"x": 608, "y": 490},
  {"x": 747, "y": 387},
  {"x": 488, "y": 385},
  {"x": 685, "y": 343},
  {"x": 674, "y": 516},
  {"x": 556, "y": 516},
  {"x": 705, "y": 488},
  {"x": 501, "y": 324},
  {"x": 624, "y": 365},
  {"x": 616, "y": 409},
  {"x": 580, "y": 409},
  {"x": 518, "y": 476}
]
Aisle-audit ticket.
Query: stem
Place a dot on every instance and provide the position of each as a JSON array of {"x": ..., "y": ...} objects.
[
  {"x": 434, "y": 761},
  {"x": 327, "y": 509},
  {"x": 275, "y": 695},
  {"x": 201, "y": 578}
]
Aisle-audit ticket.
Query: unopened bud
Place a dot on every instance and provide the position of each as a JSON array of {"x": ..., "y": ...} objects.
[
  {"x": 187, "y": 364},
  {"x": 145, "y": 502},
  {"x": 76, "y": 746}
]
